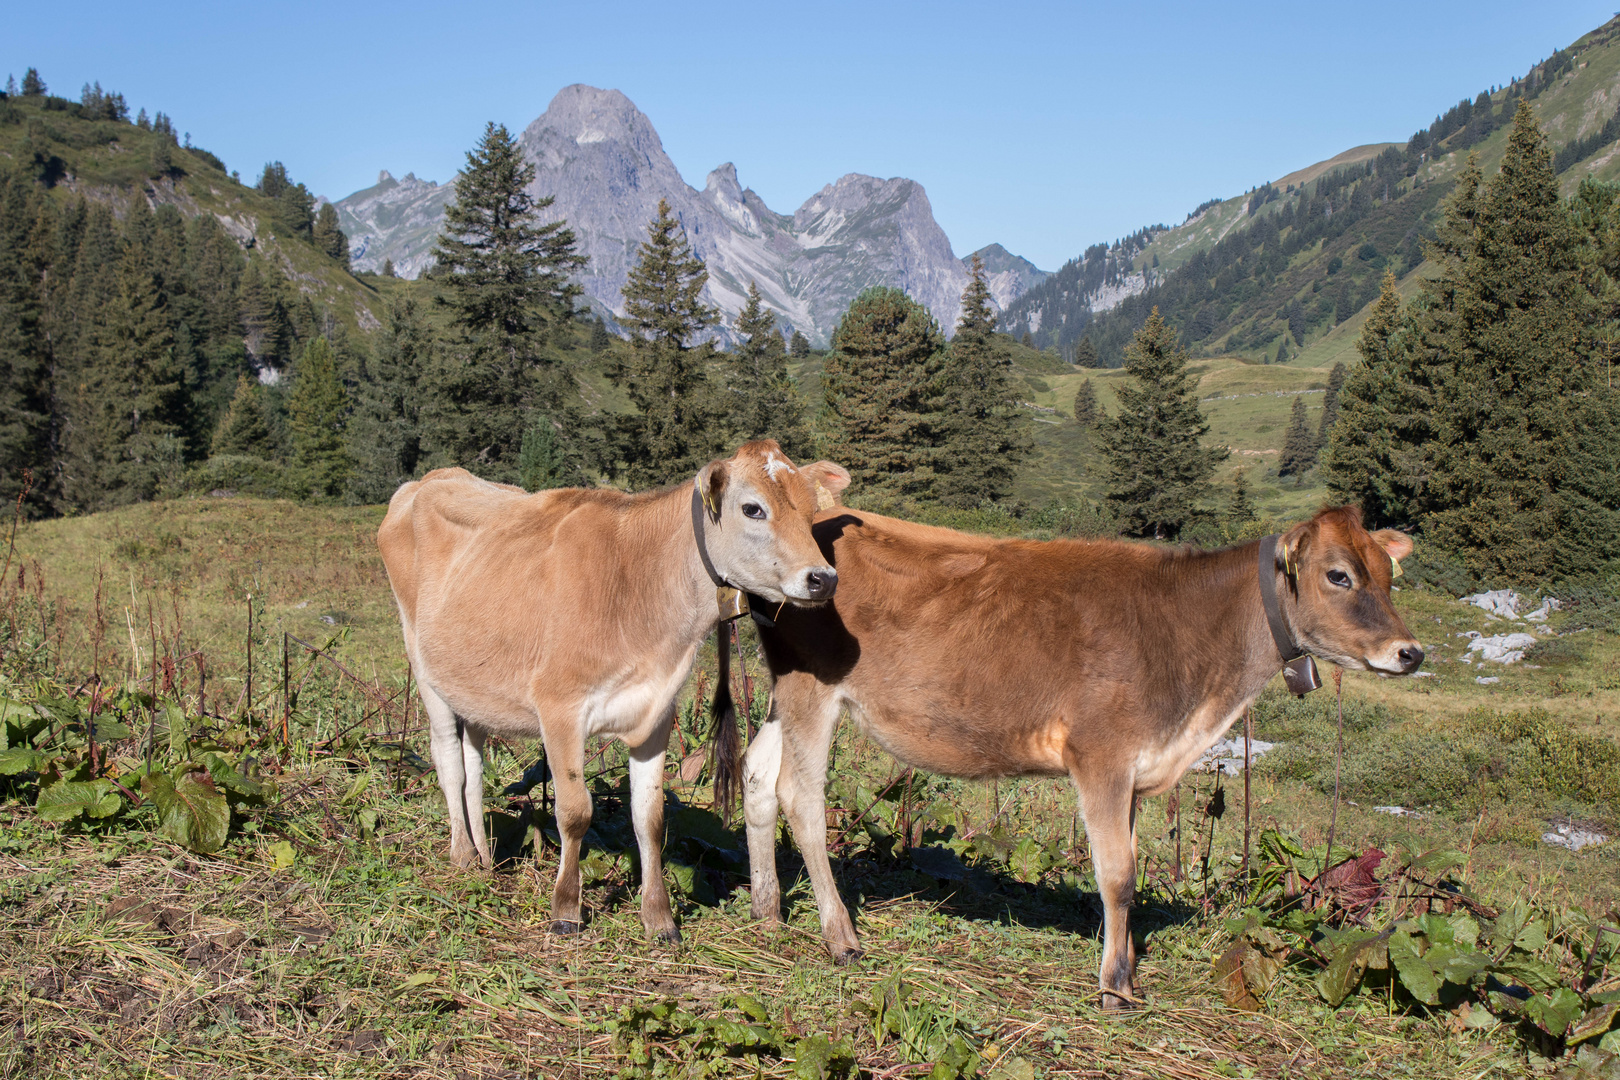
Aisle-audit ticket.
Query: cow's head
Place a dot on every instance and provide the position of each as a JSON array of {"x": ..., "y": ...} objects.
[
  {"x": 1339, "y": 576},
  {"x": 759, "y": 507}
]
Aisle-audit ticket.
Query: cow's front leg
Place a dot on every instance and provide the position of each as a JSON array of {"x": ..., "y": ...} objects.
[
  {"x": 801, "y": 785},
  {"x": 761, "y": 767},
  {"x": 1109, "y": 808},
  {"x": 647, "y": 812}
]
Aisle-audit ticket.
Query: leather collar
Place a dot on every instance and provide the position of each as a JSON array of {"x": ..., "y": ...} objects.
[
  {"x": 733, "y": 602},
  {"x": 1298, "y": 669}
]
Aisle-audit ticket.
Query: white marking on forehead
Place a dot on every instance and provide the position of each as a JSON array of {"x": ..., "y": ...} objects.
[{"x": 774, "y": 465}]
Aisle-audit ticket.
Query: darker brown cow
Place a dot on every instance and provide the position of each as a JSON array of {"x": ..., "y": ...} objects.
[
  {"x": 569, "y": 614},
  {"x": 1114, "y": 664}
]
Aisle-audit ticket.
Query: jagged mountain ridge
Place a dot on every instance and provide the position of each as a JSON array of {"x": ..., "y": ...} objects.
[{"x": 602, "y": 161}]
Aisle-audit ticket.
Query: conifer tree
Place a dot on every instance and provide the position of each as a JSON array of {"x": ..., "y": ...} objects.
[
  {"x": 1299, "y": 448},
  {"x": 329, "y": 235},
  {"x": 601, "y": 340},
  {"x": 28, "y": 239},
  {"x": 505, "y": 278},
  {"x": 316, "y": 414},
  {"x": 1282, "y": 351},
  {"x": 760, "y": 399},
  {"x": 1330, "y": 401},
  {"x": 541, "y": 462},
  {"x": 1085, "y": 405},
  {"x": 1158, "y": 470},
  {"x": 1085, "y": 354},
  {"x": 32, "y": 84},
  {"x": 885, "y": 396},
  {"x": 386, "y": 428},
  {"x": 1240, "y": 510},
  {"x": 388, "y": 269},
  {"x": 1522, "y": 485},
  {"x": 986, "y": 434},
  {"x": 244, "y": 430},
  {"x": 798, "y": 346},
  {"x": 1379, "y": 449}
]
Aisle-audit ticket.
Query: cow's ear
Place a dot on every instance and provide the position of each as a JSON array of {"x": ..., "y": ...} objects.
[
  {"x": 1395, "y": 543},
  {"x": 711, "y": 485},
  {"x": 828, "y": 479},
  {"x": 1291, "y": 546}
]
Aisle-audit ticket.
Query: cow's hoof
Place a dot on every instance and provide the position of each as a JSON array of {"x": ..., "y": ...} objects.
[
  {"x": 1120, "y": 1001},
  {"x": 566, "y": 927},
  {"x": 672, "y": 936},
  {"x": 845, "y": 957}
]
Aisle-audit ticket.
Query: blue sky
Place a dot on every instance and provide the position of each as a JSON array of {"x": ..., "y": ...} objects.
[{"x": 1045, "y": 127}]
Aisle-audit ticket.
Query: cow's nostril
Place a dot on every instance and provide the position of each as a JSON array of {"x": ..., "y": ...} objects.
[
  {"x": 1411, "y": 657},
  {"x": 820, "y": 583}
]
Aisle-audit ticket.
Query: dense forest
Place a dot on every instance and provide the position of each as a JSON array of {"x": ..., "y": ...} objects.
[{"x": 152, "y": 347}]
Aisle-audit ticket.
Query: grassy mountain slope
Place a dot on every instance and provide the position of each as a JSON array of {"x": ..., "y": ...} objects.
[
  {"x": 1317, "y": 239},
  {"x": 114, "y": 161}
]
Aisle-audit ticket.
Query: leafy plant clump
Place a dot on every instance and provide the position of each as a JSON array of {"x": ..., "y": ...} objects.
[{"x": 1417, "y": 937}]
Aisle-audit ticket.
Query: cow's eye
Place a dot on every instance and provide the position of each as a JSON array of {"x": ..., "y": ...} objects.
[
  {"x": 1339, "y": 578},
  {"x": 754, "y": 510}
]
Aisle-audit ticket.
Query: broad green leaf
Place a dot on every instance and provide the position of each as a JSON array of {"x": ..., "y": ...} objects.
[
  {"x": 1421, "y": 975},
  {"x": 282, "y": 854},
  {"x": 192, "y": 810},
  {"x": 68, "y": 799},
  {"x": 1536, "y": 974},
  {"x": 1556, "y": 1012},
  {"x": 108, "y": 730},
  {"x": 1610, "y": 1043},
  {"x": 21, "y": 759},
  {"x": 1596, "y": 1022},
  {"x": 1349, "y": 952}
]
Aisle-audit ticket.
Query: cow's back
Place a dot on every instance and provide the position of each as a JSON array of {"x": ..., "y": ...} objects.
[{"x": 430, "y": 521}]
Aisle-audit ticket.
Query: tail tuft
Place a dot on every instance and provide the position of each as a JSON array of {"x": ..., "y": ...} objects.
[{"x": 725, "y": 748}]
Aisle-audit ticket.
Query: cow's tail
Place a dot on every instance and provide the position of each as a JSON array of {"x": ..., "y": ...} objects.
[{"x": 725, "y": 748}]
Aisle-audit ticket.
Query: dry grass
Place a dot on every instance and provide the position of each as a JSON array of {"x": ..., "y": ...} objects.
[{"x": 122, "y": 954}]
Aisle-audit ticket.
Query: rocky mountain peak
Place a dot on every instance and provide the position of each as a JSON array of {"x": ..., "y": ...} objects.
[{"x": 601, "y": 161}]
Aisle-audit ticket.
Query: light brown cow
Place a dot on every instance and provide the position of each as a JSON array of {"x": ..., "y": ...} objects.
[
  {"x": 1114, "y": 664},
  {"x": 573, "y": 613}
]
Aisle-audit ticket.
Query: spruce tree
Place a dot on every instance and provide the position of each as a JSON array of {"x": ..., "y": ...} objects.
[
  {"x": 244, "y": 430},
  {"x": 1330, "y": 401},
  {"x": 32, "y": 84},
  {"x": 1378, "y": 454},
  {"x": 799, "y": 346},
  {"x": 1299, "y": 448},
  {"x": 504, "y": 278},
  {"x": 317, "y": 411},
  {"x": 1282, "y": 351},
  {"x": 541, "y": 463},
  {"x": 1240, "y": 510},
  {"x": 885, "y": 393},
  {"x": 386, "y": 428},
  {"x": 601, "y": 340},
  {"x": 760, "y": 399},
  {"x": 1518, "y": 393},
  {"x": 1085, "y": 405},
  {"x": 28, "y": 241},
  {"x": 986, "y": 434},
  {"x": 1085, "y": 354},
  {"x": 676, "y": 429},
  {"x": 1158, "y": 469},
  {"x": 388, "y": 270},
  {"x": 329, "y": 236}
]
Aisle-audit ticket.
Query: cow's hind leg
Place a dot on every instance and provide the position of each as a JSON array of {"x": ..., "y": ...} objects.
[
  {"x": 1108, "y": 805},
  {"x": 450, "y": 761},
  {"x": 761, "y": 767},
  {"x": 647, "y": 812},
  {"x": 565, "y": 752},
  {"x": 472, "y": 789},
  {"x": 809, "y": 721}
]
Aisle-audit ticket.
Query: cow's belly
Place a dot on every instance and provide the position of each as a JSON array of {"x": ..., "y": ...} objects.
[
  {"x": 1160, "y": 765},
  {"x": 973, "y": 739},
  {"x": 633, "y": 705}
]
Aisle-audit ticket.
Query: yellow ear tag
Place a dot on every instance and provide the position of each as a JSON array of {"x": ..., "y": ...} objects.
[
  {"x": 709, "y": 504},
  {"x": 1395, "y": 570},
  {"x": 824, "y": 498}
]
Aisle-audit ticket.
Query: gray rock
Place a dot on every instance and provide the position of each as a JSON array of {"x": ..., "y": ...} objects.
[
  {"x": 1503, "y": 648},
  {"x": 602, "y": 161},
  {"x": 1573, "y": 837},
  {"x": 1502, "y": 602},
  {"x": 1228, "y": 754}
]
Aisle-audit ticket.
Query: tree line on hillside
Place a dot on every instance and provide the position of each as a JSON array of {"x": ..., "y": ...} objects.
[
  {"x": 143, "y": 354},
  {"x": 1309, "y": 264}
]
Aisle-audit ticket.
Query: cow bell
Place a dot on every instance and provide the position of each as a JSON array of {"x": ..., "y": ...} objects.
[
  {"x": 733, "y": 602},
  {"x": 1300, "y": 676}
]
